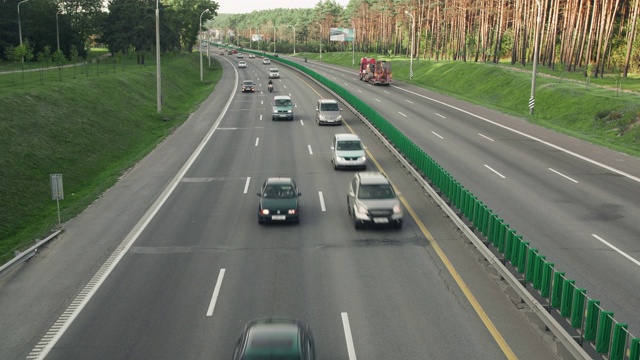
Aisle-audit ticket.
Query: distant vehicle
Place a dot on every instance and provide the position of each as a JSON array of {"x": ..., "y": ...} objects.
[
  {"x": 234, "y": 51},
  {"x": 248, "y": 86},
  {"x": 372, "y": 200},
  {"x": 282, "y": 108},
  {"x": 274, "y": 73},
  {"x": 275, "y": 55},
  {"x": 242, "y": 64},
  {"x": 375, "y": 72},
  {"x": 328, "y": 112},
  {"x": 278, "y": 201},
  {"x": 252, "y": 56},
  {"x": 278, "y": 339},
  {"x": 240, "y": 56},
  {"x": 347, "y": 151},
  {"x": 266, "y": 61}
]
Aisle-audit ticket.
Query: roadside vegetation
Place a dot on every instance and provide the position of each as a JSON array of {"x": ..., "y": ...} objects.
[
  {"x": 597, "y": 111},
  {"x": 89, "y": 128}
]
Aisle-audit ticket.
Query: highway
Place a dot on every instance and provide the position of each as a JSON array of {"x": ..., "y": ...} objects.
[
  {"x": 171, "y": 262},
  {"x": 575, "y": 202}
]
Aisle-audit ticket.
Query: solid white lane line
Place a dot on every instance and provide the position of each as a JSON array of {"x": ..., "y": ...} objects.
[
  {"x": 409, "y": 101},
  {"x": 440, "y": 116},
  {"x": 437, "y": 135},
  {"x": 497, "y": 173},
  {"x": 321, "y": 201},
  {"x": 246, "y": 185},
  {"x": 557, "y": 147},
  {"x": 378, "y": 100},
  {"x": 616, "y": 249},
  {"x": 563, "y": 175},
  {"x": 301, "y": 122},
  {"x": 257, "y": 141},
  {"x": 486, "y": 137},
  {"x": 260, "y": 117},
  {"x": 347, "y": 334},
  {"x": 216, "y": 291},
  {"x": 402, "y": 114},
  {"x": 310, "y": 152}
]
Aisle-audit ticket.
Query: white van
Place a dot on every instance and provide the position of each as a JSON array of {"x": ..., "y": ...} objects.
[{"x": 347, "y": 151}]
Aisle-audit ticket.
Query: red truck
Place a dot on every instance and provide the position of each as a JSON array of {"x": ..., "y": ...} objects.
[{"x": 375, "y": 72}]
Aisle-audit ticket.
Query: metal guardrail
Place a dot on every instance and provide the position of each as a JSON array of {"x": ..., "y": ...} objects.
[
  {"x": 591, "y": 323},
  {"x": 26, "y": 255}
]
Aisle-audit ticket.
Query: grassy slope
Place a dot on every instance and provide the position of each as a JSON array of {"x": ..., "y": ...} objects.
[
  {"x": 90, "y": 129},
  {"x": 595, "y": 114}
]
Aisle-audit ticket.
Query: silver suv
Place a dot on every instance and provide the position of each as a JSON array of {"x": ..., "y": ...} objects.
[
  {"x": 371, "y": 199},
  {"x": 328, "y": 112}
]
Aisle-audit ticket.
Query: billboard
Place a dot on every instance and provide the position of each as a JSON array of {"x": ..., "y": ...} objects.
[{"x": 342, "y": 34}]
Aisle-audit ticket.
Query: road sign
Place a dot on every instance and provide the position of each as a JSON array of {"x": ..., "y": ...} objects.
[{"x": 57, "y": 193}]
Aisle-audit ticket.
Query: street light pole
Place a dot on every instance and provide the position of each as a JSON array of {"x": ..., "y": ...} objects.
[
  {"x": 200, "y": 30},
  {"x": 294, "y": 39},
  {"x": 535, "y": 60},
  {"x": 353, "y": 45},
  {"x": 258, "y": 36},
  {"x": 274, "y": 39},
  {"x": 250, "y": 38},
  {"x": 413, "y": 26},
  {"x": 20, "y": 26},
  {"x": 158, "y": 77},
  {"x": 57, "y": 30},
  {"x": 321, "y": 31}
]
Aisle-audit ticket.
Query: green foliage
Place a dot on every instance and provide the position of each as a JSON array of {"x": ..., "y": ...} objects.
[{"x": 88, "y": 129}]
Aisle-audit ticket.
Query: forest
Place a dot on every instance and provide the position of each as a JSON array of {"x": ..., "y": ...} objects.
[{"x": 592, "y": 36}]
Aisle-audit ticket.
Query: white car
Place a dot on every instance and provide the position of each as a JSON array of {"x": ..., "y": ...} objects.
[
  {"x": 274, "y": 73},
  {"x": 266, "y": 61},
  {"x": 252, "y": 56},
  {"x": 242, "y": 64}
]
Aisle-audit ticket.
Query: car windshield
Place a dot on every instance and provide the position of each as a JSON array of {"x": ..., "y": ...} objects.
[
  {"x": 248, "y": 83},
  {"x": 380, "y": 191},
  {"x": 279, "y": 191},
  {"x": 349, "y": 145},
  {"x": 329, "y": 107},
  {"x": 274, "y": 70},
  {"x": 285, "y": 102}
]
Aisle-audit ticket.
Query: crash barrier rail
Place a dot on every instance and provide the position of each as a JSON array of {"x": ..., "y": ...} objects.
[{"x": 585, "y": 316}]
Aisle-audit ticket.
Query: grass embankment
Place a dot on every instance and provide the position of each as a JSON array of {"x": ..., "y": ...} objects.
[
  {"x": 88, "y": 128},
  {"x": 593, "y": 111}
]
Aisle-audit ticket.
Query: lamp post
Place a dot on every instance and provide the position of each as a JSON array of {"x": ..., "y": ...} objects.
[
  {"x": 158, "y": 77},
  {"x": 57, "y": 30},
  {"x": 250, "y": 38},
  {"x": 353, "y": 45},
  {"x": 258, "y": 36},
  {"x": 535, "y": 60},
  {"x": 209, "y": 47},
  {"x": 294, "y": 39},
  {"x": 413, "y": 26},
  {"x": 237, "y": 40},
  {"x": 274, "y": 39},
  {"x": 200, "y": 30},
  {"x": 321, "y": 31},
  {"x": 20, "y": 26}
]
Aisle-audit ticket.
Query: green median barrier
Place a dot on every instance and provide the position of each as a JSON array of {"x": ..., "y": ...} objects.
[
  {"x": 618, "y": 342},
  {"x": 634, "y": 349},
  {"x": 522, "y": 256},
  {"x": 509, "y": 238},
  {"x": 476, "y": 212},
  {"x": 556, "y": 291},
  {"x": 501, "y": 244},
  {"x": 591, "y": 322},
  {"x": 492, "y": 230},
  {"x": 530, "y": 264},
  {"x": 603, "y": 334},
  {"x": 517, "y": 240},
  {"x": 485, "y": 216},
  {"x": 567, "y": 298},
  {"x": 577, "y": 307},
  {"x": 547, "y": 273},
  {"x": 537, "y": 271}
]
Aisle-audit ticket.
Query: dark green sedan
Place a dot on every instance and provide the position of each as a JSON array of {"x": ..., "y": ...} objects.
[
  {"x": 275, "y": 339},
  {"x": 278, "y": 201}
]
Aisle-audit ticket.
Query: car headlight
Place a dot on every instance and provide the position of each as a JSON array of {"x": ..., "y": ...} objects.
[
  {"x": 361, "y": 209},
  {"x": 289, "y": 111},
  {"x": 339, "y": 117},
  {"x": 292, "y": 211},
  {"x": 396, "y": 209},
  {"x": 362, "y": 158},
  {"x": 265, "y": 212}
]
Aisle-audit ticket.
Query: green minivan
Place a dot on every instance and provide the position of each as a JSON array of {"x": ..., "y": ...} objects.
[{"x": 282, "y": 108}]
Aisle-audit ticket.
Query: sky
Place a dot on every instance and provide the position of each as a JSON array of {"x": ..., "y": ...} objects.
[{"x": 247, "y": 6}]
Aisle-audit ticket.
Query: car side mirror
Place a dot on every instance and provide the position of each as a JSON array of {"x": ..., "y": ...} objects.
[
  {"x": 332, "y": 148},
  {"x": 316, "y": 109},
  {"x": 351, "y": 193}
]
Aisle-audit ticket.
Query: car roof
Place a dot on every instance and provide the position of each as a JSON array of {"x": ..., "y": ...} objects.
[
  {"x": 272, "y": 69},
  {"x": 347, "y": 137},
  {"x": 247, "y": 82},
  {"x": 281, "y": 97},
  {"x": 272, "y": 337},
  {"x": 279, "y": 180},
  {"x": 372, "y": 178},
  {"x": 328, "y": 101}
]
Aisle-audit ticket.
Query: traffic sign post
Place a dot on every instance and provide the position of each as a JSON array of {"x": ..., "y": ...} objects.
[{"x": 57, "y": 192}]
